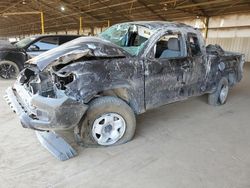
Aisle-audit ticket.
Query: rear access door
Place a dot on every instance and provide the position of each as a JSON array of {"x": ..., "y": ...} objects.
[{"x": 196, "y": 56}]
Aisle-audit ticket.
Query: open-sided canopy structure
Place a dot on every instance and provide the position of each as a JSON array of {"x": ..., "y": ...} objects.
[{"x": 25, "y": 16}]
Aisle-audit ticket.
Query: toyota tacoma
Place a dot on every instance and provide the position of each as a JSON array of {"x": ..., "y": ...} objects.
[{"x": 97, "y": 85}]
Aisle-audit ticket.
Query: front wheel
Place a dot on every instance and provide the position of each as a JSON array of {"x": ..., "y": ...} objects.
[
  {"x": 108, "y": 121},
  {"x": 219, "y": 97}
]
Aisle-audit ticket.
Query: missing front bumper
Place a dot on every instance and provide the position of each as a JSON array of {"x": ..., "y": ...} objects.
[{"x": 52, "y": 113}]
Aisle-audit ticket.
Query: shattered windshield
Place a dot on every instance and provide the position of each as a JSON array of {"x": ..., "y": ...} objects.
[
  {"x": 24, "y": 42},
  {"x": 130, "y": 37}
]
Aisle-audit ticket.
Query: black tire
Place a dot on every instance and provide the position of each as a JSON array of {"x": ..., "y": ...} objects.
[
  {"x": 215, "y": 98},
  {"x": 99, "y": 107},
  {"x": 13, "y": 71}
]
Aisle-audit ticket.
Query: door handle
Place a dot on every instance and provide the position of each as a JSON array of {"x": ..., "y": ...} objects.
[{"x": 185, "y": 67}]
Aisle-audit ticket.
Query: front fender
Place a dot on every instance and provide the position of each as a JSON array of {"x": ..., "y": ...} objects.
[{"x": 97, "y": 76}]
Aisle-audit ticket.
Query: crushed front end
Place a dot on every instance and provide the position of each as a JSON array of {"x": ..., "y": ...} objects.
[{"x": 42, "y": 103}]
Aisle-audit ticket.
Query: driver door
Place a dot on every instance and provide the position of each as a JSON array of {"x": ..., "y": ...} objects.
[{"x": 167, "y": 70}]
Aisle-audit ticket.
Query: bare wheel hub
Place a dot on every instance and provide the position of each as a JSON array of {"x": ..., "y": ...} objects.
[{"x": 108, "y": 128}]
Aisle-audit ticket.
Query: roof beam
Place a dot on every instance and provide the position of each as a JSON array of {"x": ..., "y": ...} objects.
[
  {"x": 16, "y": 8},
  {"x": 150, "y": 9},
  {"x": 11, "y": 6},
  {"x": 80, "y": 11},
  {"x": 200, "y": 9},
  {"x": 113, "y": 10},
  {"x": 202, "y": 4},
  {"x": 44, "y": 3},
  {"x": 227, "y": 7},
  {"x": 113, "y": 5}
]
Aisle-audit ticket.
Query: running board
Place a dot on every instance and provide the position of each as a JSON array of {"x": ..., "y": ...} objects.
[{"x": 56, "y": 145}]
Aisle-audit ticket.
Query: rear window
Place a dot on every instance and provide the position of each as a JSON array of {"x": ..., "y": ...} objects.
[{"x": 193, "y": 44}]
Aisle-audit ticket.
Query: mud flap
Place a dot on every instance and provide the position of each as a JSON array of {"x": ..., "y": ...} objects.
[{"x": 56, "y": 145}]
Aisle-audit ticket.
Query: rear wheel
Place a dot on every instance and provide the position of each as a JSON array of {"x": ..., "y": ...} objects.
[
  {"x": 108, "y": 121},
  {"x": 219, "y": 97},
  {"x": 8, "y": 70}
]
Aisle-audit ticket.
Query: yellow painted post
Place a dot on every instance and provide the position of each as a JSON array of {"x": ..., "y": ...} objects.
[
  {"x": 206, "y": 26},
  {"x": 42, "y": 22},
  {"x": 80, "y": 27},
  {"x": 108, "y": 23}
]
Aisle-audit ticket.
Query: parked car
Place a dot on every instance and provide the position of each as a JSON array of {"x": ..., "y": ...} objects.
[
  {"x": 12, "y": 57},
  {"x": 98, "y": 84}
]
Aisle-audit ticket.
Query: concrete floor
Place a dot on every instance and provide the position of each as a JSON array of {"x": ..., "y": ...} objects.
[{"x": 186, "y": 144}]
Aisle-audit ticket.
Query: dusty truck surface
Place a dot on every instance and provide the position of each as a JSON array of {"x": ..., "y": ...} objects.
[{"x": 97, "y": 85}]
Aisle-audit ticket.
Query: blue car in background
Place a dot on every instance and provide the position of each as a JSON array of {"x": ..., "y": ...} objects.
[{"x": 12, "y": 57}]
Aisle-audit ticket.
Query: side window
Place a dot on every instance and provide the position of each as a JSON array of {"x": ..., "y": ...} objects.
[
  {"x": 168, "y": 46},
  {"x": 193, "y": 44},
  {"x": 44, "y": 44}
]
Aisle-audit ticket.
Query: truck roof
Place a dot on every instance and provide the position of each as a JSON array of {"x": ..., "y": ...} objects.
[{"x": 160, "y": 24}]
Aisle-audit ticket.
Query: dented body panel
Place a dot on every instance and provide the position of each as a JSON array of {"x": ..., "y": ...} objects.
[{"x": 70, "y": 76}]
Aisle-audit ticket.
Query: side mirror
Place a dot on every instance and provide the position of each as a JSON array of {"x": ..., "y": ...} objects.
[{"x": 33, "y": 48}]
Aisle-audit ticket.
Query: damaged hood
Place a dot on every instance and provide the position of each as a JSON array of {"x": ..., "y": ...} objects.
[
  {"x": 76, "y": 49},
  {"x": 5, "y": 45}
]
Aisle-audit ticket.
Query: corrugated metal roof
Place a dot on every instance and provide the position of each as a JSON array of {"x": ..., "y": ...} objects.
[{"x": 64, "y": 14}]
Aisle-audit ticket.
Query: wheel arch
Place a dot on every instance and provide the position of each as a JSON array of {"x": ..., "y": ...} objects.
[{"x": 124, "y": 93}]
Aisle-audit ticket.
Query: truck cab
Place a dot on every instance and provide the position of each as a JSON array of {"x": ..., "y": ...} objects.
[{"x": 174, "y": 62}]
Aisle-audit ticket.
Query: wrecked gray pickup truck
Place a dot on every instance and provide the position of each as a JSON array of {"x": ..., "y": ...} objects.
[{"x": 96, "y": 85}]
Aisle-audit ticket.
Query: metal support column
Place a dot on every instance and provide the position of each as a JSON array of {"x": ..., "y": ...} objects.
[
  {"x": 206, "y": 26},
  {"x": 42, "y": 22},
  {"x": 80, "y": 25}
]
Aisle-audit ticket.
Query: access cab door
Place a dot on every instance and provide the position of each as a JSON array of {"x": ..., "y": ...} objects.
[
  {"x": 168, "y": 69},
  {"x": 196, "y": 55}
]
